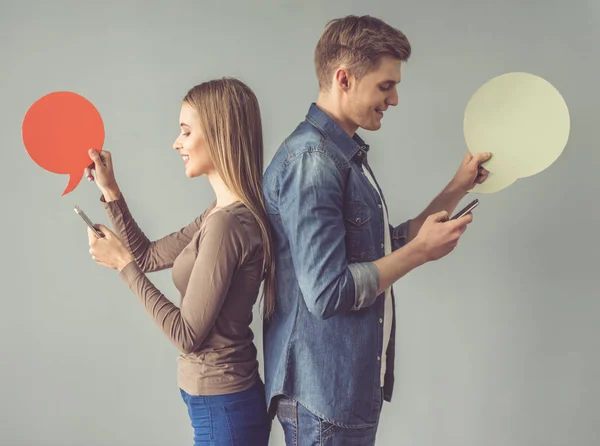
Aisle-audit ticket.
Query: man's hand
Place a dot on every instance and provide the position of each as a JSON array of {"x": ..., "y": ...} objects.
[
  {"x": 467, "y": 176},
  {"x": 470, "y": 172},
  {"x": 438, "y": 236}
]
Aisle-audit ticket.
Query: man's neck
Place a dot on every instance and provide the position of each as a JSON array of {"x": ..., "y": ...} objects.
[{"x": 332, "y": 107}]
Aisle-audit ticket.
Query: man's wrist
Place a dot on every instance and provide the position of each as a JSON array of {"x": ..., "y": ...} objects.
[
  {"x": 453, "y": 190},
  {"x": 418, "y": 252}
]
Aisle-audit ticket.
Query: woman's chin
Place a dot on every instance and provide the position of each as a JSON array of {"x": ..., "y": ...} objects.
[
  {"x": 193, "y": 173},
  {"x": 198, "y": 170}
]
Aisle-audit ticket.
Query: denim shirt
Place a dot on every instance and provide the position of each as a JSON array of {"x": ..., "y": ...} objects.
[{"x": 323, "y": 345}]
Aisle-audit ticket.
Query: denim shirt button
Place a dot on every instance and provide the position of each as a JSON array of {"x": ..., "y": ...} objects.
[
  {"x": 379, "y": 358},
  {"x": 379, "y": 206},
  {"x": 382, "y": 245},
  {"x": 381, "y": 320}
]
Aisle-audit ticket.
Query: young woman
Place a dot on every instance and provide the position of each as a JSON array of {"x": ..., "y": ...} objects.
[{"x": 219, "y": 261}]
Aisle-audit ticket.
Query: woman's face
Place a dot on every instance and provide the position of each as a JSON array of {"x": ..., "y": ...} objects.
[{"x": 191, "y": 144}]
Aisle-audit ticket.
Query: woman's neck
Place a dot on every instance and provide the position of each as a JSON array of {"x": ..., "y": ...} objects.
[{"x": 224, "y": 195}]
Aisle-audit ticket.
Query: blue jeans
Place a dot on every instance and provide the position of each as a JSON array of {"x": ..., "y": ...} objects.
[
  {"x": 303, "y": 428},
  {"x": 237, "y": 419}
]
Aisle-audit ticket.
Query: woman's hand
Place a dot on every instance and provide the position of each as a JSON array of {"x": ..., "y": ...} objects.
[
  {"x": 102, "y": 165},
  {"x": 108, "y": 251}
]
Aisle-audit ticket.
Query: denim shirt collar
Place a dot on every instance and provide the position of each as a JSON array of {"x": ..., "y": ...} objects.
[{"x": 354, "y": 148}]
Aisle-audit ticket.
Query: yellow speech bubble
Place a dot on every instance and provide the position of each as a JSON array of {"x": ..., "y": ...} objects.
[
  {"x": 522, "y": 120},
  {"x": 494, "y": 183}
]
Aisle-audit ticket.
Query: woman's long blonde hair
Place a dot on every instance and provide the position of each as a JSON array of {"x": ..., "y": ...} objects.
[{"x": 230, "y": 117}]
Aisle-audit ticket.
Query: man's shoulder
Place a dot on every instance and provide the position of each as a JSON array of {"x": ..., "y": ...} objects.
[{"x": 305, "y": 139}]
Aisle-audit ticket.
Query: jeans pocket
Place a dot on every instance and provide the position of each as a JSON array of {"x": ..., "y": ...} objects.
[
  {"x": 327, "y": 430},
  {"x": 201, "y": 418},
  {"x": 248, "y": 421}
]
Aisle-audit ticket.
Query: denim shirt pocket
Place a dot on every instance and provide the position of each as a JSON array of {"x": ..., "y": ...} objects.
[{"x": 357, "y": 218}]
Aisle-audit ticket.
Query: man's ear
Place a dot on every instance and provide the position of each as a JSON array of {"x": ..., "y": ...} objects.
[{"x": 342, "y": 79}]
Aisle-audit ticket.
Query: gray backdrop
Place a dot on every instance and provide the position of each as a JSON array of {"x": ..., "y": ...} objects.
[{"x": 497, "y": 342}]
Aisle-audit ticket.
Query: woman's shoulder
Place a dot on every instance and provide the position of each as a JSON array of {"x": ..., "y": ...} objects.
[
  {"x": 235, "y": 229},
  {"x": 235, "y": 218}
]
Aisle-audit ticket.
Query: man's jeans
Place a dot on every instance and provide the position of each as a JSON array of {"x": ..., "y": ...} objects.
[{"x": 303, "y": 428}]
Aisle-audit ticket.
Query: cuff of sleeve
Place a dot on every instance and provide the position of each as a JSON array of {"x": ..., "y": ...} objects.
[
  {"x": 400, "y": 235},
  {"x": 130, "y": 273},
  {"x": 366, "y": 283},
  {"x": 115, "y": 207}
]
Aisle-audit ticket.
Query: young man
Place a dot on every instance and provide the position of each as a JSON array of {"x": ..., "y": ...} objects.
[{"x": 329, "y": 346}]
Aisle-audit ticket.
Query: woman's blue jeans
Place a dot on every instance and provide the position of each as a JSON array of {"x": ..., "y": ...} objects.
[{"x": 235, "y": 419}]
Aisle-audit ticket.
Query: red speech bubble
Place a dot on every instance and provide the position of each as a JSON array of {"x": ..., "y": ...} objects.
[{"x": 58, "y": 130}]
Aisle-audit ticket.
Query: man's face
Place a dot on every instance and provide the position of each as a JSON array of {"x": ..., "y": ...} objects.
[{"x": 366, "y": 101}]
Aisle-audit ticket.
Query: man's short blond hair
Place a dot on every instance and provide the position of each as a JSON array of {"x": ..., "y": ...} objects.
[{"x": 357, "y": 43}]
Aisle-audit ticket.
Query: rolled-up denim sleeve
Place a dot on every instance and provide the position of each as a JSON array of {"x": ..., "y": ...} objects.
[
  {"x": 399, "y": 235},
  {"x": 366, "y": 283},
  {"x": 310, "y": 204}
]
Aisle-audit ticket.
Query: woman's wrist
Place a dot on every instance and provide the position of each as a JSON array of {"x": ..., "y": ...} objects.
[
  {"x": 111, "y": 194},
  {"x": 126, "y": 261}
]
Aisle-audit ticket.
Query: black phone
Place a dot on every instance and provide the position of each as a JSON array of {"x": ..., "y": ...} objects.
[
  {"x": 88, "y": 222},
  {"x": 468, "y": 208}
]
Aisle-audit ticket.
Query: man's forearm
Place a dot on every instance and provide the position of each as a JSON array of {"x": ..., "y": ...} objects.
[
  {"x": 399, "y": 263},
  {"x": 446, "y": 200},
  {"x": 410, "y": 254}
]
